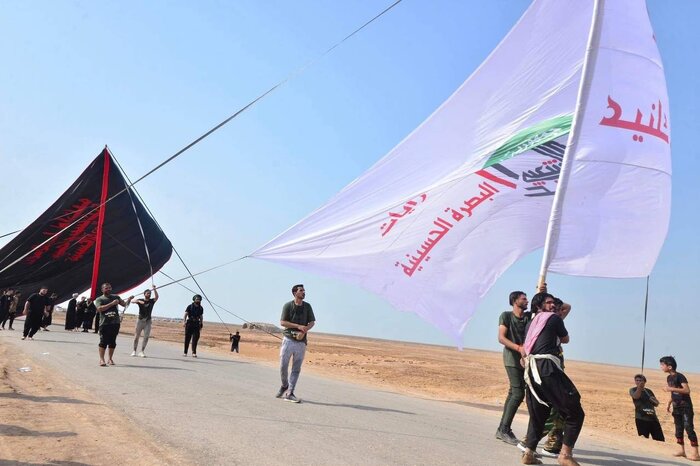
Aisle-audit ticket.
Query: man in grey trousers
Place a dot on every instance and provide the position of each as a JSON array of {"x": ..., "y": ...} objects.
[
  {"x": 143, "y": 323},
  {"x": 297, "y": 319}
]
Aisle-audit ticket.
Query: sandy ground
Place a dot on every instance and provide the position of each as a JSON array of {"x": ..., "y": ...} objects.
[
  {"x": 41, "y": 408},
  {"x": 48, "y": 420}
]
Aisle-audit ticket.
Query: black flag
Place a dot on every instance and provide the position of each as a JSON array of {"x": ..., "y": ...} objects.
[{"x": 91, "y": 243}]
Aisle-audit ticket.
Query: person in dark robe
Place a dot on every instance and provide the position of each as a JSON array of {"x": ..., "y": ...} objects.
[
  {"x": 71, "y": 313},
  {"x": 48, "y": 315},
  {"x": 80, "y": 309},
  {"x": 90, "y": 317}
]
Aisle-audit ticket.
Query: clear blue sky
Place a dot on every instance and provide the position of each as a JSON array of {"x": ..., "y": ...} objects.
[{"x": 146, "y": 78}]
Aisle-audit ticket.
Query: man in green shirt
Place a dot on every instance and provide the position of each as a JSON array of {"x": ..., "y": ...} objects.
[
  {"x": 108, "y": 312},
  {"x": 511, "y": 334},
  {"x": 297, "y": 319}
]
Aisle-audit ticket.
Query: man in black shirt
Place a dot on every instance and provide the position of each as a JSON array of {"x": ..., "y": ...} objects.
[
  {"x": 35, "y": 308},
  {"x": 297, "y": 319},
  {"x": 193, "y": 322},
  {"x": 547, "y": 383},
  {"x": 143, "y": 323},
  {"x": 235, "y": 339}
]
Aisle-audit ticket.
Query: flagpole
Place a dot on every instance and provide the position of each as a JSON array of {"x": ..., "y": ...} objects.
[{"x": 587, "y": 72}]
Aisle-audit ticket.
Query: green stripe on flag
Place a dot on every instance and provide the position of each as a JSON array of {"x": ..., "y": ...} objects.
[{"x": 530, "y": 138}]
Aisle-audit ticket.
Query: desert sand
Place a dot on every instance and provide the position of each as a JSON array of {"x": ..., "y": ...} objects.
[{"x": 38, "y": 406}]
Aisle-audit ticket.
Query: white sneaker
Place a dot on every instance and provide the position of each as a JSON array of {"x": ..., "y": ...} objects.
[
  {"x": 141, "y": 355},
  {"x": 547, "y": 453},
  {"x": 133, "y": 353}
]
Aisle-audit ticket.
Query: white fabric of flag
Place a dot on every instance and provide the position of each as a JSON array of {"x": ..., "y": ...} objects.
[
  {"x": 435, "y": 222},
  {"x": 617, "y": 198}
]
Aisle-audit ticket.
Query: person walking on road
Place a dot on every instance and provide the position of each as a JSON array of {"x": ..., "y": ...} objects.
[
  {"x": 143, "y": 323},
  {"x": 297, "y": 319},
  {"x": 193, "y": 323},
  {"x": 36, "y": 307},
  {"x": 108, "y": 311}
]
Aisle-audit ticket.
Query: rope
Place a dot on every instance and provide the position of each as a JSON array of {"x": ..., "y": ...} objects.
[
  {"x": 644, "y": 333},
  {"x": 193, "y": 291},
  {"x": 191, "y": 275},
  {"x": 10, "y": 233},
  {"x": 289, "y": 77},
  {"x": 138, "y": 220}
]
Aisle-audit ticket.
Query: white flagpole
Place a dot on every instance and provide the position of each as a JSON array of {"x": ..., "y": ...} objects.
[{"x": 589, "y": 62}]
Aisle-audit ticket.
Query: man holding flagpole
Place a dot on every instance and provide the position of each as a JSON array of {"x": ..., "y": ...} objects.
[{"x": 548, "y": 385}]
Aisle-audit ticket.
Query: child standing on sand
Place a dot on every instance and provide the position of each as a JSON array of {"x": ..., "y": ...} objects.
[{"x": 682, "y": 407}]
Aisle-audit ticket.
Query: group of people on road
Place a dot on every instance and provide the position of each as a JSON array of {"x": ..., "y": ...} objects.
[
  {"x": 297, "y": 320},
  {"x": 38, "y": 313},
  {"x": 534, "y": 363}
]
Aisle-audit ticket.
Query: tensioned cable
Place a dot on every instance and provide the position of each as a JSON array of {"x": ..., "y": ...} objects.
[
  {"x": 289, "y": 77},
  {"x": 10, "y": 233},
  {"x": 644, "y": 333},
  {"x": 192, "y": 291},
  {"x": 138, "y": 220},
  {"x": 171, "y": 245}
]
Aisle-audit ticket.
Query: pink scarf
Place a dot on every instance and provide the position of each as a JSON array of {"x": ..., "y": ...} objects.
[{"x": 536, "y": 327}]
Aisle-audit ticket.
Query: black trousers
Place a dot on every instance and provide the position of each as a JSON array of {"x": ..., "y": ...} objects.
[
  {"x": 31, "y": 326},
  {"x": 4, "y": 319},
  {"x": 646, "y": 427},
  {"x": 683, "y": 420},
  {"x": 561, "y": 393},
  {"x": 191, "y": 333}
]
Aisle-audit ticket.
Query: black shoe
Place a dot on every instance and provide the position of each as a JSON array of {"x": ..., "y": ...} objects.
[
  {"x": 281, "y": 392},
  {"x": 507, "y": 437}
]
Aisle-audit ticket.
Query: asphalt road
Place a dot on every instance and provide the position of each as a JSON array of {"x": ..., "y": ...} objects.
[{"x": 222, "y": 410}]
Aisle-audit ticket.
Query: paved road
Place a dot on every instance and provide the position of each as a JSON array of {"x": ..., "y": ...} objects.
[{"x": 222, "y": 410}]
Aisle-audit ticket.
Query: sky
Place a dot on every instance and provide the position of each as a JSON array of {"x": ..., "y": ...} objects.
[{"x": 147, "y": 78}]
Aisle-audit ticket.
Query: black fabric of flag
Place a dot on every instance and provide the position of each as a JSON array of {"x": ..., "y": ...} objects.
[{"x": 66, "y": 264}]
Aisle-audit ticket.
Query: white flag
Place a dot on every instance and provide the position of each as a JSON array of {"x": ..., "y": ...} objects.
[
  {"x": 435, "y": 222},
  {"x": 617, "y": 198}
]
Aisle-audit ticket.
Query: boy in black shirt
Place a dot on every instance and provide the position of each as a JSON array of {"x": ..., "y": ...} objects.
[
  {"x": 644, "y": 413},
  {"x": 682, "y": 407}
]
